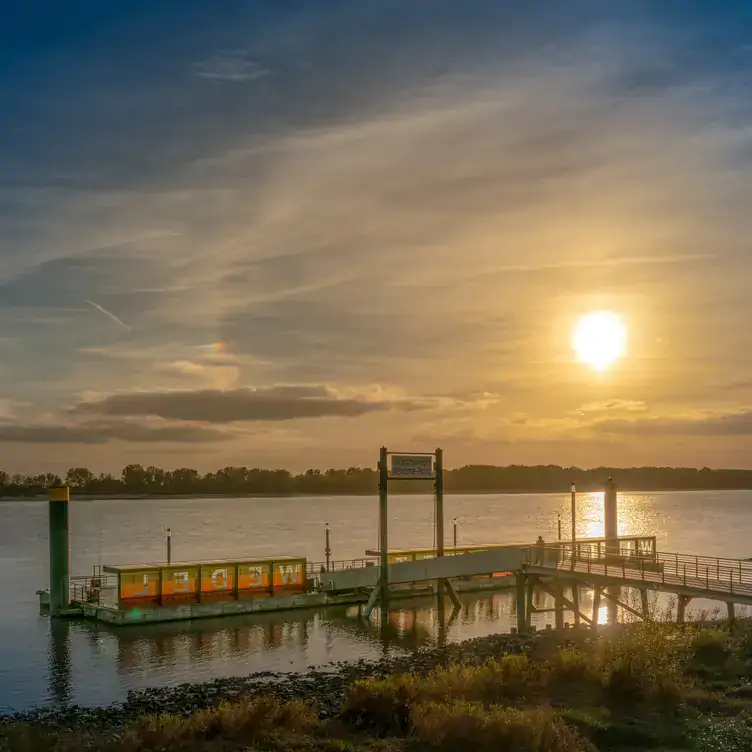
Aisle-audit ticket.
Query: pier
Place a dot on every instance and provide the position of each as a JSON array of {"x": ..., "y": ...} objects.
[
  {"x": 686, "y": 576},
  {"x": 150, "y": 592}
]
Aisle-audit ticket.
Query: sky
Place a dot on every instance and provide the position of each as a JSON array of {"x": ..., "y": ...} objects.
[{"x": 283, "y": 234}]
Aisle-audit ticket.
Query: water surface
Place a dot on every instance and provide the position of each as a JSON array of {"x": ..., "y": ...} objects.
[{"x": 48, "y": 662}]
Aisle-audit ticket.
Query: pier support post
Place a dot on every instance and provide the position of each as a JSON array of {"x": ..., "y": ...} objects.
[
  {"x": 731, "y": 613},
  {"x": 596, "y": 606},
  {"x": 59, "y": 545},
  {"x": 530, "y": 590},
  {"x": 645, "y": 604},
  {"x": 681, "y": 609},
  {"x": 373, "y": 598},
  {"x": 558, "y": 605},
  {"x": 521, "y": 591},
  {"x": 576, "y": 603}
]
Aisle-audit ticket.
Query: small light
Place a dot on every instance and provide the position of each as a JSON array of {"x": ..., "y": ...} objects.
[{"x": 574, "y": 488}]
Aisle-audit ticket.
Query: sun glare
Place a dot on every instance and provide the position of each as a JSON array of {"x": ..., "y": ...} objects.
[{"x": 599, "y": 339}]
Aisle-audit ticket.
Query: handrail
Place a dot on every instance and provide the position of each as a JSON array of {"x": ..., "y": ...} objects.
[
  {"x": 315, "y": 567},
  {"x": 706, "y": 573}
]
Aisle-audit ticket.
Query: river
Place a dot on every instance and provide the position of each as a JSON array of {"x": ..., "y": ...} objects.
[{"x": 61, "y": 662}]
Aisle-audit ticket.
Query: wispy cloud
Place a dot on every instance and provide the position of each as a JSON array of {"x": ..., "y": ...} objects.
[
  {"x": 236, "y": 66},
  {"x": 110, "y": 315}
]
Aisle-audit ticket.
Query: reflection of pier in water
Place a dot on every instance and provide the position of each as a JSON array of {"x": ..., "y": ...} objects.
[
  {"x": 309, "y": 637},
  {"x": 228, "y": 638},
  {"x": 410, "y": 624}
]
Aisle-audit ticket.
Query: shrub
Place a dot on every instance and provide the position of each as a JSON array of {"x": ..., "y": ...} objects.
[
  {"x": 572, "y": 665},
  {"x": 245, "y": 719},
  {"x": 512, "y": 677},
  {"x": 644, "y": 662},
  {"x": 381, "y": 705},
  {"x": 384, "y": 705},
  {"x": 711, "y": 647},
  {"x": 462, "y": 725}
]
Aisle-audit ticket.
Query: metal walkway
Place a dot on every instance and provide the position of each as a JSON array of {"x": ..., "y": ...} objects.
[{"x": 686, "y": 575}]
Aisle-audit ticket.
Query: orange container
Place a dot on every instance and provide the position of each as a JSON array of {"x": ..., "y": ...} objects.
[
  {"x": 180, "y": 583},
  {"x": 193, "y": 582},
  {"x": 141, "y": 586}
]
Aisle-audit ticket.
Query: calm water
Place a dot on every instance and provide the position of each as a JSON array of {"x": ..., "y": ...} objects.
[{"x": 43, "y": 662}]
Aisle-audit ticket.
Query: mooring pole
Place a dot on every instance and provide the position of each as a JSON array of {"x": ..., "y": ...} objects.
[
  {"x": 169, "y": 545},
  {"x": 383, "y": 533},
  {"x": 558, "y": 523},
  {"x": 59, "y": 544},
  {"x": 611, "y": 518},
  {"x": 327, "y": 549}
]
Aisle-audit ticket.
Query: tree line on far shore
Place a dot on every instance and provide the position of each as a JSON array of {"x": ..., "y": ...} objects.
[{"x": 155, "y": 481}]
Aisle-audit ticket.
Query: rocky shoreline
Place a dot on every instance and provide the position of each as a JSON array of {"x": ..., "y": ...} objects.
[{"x": 325, "y": 686}]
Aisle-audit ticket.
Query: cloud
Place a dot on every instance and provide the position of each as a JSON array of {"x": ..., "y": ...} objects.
[
  {"x": 727, "y": 424},
  {"x": 274, "y": 403},
  {"x": 614, "y": 405},
  {"x": 97, "y": 432},
  {"x": 215, "y": 368},
  {"x": 109, "y": 315},
  {"x": 236, "y": 66}
]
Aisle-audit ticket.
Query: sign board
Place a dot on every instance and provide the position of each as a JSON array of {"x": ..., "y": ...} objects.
[{"x": 412, "y": 466}]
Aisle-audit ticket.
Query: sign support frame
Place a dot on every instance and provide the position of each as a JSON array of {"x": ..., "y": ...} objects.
[{"x": 381, "y": 591}]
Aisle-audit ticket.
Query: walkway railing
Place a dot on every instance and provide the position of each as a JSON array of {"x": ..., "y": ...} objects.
[
  {"x": 710, "y": 574},
  {"x": 82, "y": 591},
  {"x": 315, "y": 569}
]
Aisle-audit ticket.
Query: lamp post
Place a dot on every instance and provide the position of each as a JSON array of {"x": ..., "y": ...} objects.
[{"x": 455, "y": 534}]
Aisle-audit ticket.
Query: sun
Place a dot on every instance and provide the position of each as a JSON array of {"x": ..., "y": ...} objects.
[{"x": 600, "y": 339}]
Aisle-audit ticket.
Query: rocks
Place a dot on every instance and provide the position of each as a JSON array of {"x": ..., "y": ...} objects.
[{"x": 324, "y": 686}]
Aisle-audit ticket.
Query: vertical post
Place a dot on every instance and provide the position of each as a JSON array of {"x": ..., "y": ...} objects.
[
  {"x": 558, "y": 604},
  {"x": 681, "y": 609},
  {"x": 574, "y": 516},
  {"x": 327, "y": 550},
  {"x": 169, "y": 545},
  {"x": 576, "y": 602},
  {"x": 521, "y": 584},
  {"x": 558, "y": 524},
  {"x": 645, "y": 604},
  {"x": 439, "y": 502},
  {"x": 611, "y": 518},
  {"x": 59, "y": 544},
  {"x": 596, "y": 606},
  {"x": 454, "y": 536},
  {"x": 383, "y": 534}
]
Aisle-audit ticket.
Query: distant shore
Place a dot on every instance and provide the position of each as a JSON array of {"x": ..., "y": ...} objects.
[{"x": 313, "y": 494}]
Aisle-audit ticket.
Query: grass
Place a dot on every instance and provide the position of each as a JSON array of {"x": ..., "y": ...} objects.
[{"x": 643, "y": 686}]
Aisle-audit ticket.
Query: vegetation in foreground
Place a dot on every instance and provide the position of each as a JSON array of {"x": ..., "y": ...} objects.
[
  {"x": 642, "y": 686},
  {"x": 138, "y": 480}
]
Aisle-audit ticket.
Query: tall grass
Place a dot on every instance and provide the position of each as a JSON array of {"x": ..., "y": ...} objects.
[
  {"x": 462, "y": 725},
  {"x": 245, "y": 722}
]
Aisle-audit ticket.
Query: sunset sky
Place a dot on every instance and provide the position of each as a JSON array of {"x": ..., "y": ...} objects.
[{"x": 285, "y": 233}]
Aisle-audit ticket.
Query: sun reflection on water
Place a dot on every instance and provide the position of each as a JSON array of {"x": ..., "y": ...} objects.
[{"x": 637, "y": 516}]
